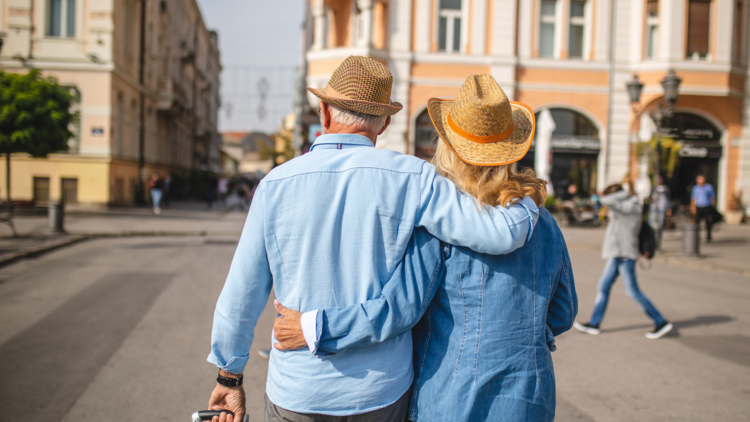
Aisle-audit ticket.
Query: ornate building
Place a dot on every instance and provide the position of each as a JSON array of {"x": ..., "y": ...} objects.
[
  {"x": 555, "y": 54},
  {"x": 146, "y": 73}
]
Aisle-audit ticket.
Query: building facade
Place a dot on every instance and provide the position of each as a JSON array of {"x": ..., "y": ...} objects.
[
  {"x": 146, "y": 75},
  {"x": 573, "y": 57}
]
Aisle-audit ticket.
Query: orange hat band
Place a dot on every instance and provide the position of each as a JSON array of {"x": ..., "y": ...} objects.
[{"x": 476, "y": 138}]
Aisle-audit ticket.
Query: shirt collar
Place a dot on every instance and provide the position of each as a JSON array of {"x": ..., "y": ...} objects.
[{"x": 348, "y": 139}]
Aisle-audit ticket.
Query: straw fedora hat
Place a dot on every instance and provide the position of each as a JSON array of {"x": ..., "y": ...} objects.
[
  {"x": 360, "y": 84},
  {"x": 481, "y": 126}
]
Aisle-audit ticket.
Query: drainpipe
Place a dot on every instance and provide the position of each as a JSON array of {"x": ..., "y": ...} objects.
[
  {"x": 193, "y": 116},
  {"x": 142, "y": 86},
  {"x": 611, "y": 89}
]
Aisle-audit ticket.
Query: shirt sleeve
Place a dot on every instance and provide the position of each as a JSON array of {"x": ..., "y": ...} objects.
[
  {"x": 621, "y": 202},
  {"x": 401, "y": 304},
  {"x": 455, "y": 217},
  {"x": 244, "y": 296}
]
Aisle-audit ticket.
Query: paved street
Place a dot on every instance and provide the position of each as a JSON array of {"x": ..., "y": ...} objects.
[{"x": 118, "y": 329}]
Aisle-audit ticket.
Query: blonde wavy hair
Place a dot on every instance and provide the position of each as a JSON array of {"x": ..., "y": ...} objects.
[{"x": 493, "y": 186}]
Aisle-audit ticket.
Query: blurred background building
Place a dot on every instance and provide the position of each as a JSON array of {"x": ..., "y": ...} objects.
[
  {"x": 146, "y": 75},
  {"x": 555, "y": 55}
]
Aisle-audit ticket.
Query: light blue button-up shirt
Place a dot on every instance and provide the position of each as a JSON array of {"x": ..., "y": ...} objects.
[{"x": 327, "y": 230}]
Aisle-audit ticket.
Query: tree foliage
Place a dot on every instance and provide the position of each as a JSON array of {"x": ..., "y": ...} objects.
[
  {"x": 35, "y": 114},
  {"x": 663, "y": 153}
]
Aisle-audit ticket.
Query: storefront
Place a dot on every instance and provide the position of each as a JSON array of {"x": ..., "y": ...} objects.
[
  {"x": 700, "y": 155},
  {"x": 575, "y": 150}
]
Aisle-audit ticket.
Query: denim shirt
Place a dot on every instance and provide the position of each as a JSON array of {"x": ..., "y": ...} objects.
[
  {"x": 323, "y": 230},
  {"x": 482, "y": 346}
]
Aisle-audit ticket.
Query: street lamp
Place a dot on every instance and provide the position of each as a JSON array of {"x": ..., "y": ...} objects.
[
  {"x": 671, "y": 86},
  {"x": 635, "y": 87}
]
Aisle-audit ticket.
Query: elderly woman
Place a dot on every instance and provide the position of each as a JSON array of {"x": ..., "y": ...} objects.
[{"x": 485, "y": 325}]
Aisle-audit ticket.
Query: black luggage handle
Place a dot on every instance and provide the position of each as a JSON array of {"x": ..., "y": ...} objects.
[{"x": 207, "y": 415}]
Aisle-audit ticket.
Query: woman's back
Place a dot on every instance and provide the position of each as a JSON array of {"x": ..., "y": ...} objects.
[{"x": 482, "y": 350}]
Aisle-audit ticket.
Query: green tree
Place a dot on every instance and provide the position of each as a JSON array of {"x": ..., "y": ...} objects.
[{"x": 35, "y": 116}]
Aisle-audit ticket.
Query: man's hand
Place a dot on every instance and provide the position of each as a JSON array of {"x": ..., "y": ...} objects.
[
  {"x": 232, "y": 399},
  {"x": 287, "y": 329}
]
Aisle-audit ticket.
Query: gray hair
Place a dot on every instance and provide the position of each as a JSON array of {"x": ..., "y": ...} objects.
[{"x": 361, "y": 121}]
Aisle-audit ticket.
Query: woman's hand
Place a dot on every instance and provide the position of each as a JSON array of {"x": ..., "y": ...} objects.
[{"x": 287, "y": 329}]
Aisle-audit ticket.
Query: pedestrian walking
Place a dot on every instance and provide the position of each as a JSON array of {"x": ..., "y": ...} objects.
[
  {"x": 210, "y": 192},
  {"x": 703, "y": 203},
  {"x": 223, "y": 189},
  {"x": 620, "y": 249},
  {"x": 660, "y": 208},
  {"x": 157, "y": 189},
  {"x": 167, "y": 196}
]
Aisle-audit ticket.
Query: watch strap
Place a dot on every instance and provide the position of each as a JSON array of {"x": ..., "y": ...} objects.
[{"x": 229, "y": 382}]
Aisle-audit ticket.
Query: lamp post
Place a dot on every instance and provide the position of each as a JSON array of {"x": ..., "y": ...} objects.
[{"x": 664, "y": 111}]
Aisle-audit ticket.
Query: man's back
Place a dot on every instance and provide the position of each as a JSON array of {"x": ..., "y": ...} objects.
[{"x": 340, "y": 223}]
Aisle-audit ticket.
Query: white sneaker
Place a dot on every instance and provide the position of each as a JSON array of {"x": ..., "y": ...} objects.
[
  {"x": 586, "y": 328},
  {"x": 660, "y": 331},
  {"x": 157, "y": 210}
]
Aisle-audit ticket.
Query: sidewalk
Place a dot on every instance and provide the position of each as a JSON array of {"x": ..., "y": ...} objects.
[
  {"x": 182, "y": 219},
  {"x": 729, "y": 252}
]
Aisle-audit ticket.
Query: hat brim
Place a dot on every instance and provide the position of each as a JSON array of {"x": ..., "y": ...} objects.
[
  {"x": 366, "y": 107},
  {"x": 497, "y": 153}
]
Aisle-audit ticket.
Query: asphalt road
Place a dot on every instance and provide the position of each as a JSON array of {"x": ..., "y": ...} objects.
[{"x": 119, "y": 329}]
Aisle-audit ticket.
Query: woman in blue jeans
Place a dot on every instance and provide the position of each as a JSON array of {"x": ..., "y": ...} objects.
[
  {"x": 620, "y": 249},
  {"x": 485, "y": 325}
]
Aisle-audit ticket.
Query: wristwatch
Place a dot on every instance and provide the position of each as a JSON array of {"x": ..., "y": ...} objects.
[{"x": 229, "y": 382}]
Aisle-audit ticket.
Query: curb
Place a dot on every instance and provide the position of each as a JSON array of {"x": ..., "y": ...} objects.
[
  {"x": 81, "y": 237},
  {"x": 675, "y": 261},
  {"x": 34, "y": 252}
]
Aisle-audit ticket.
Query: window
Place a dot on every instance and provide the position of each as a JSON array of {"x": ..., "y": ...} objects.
[
  {"x": 134, "y": 128},
  {"x": 359, "y": 25},
  {"x": 737, "y": 50},
  {"x": 69, "y": 190},
  {"x": 652, "y": 28},
  {"x": 41, "y": 189},
  {"x": 119, "y": 134},
  {"x": 130, "y": 26},
  {"x": 61, "y": 18},
  {"x": 449, "y": 26},
  {"x": 699, "y": 18},
  {"x": 547, "y": 28},
  {"x": 577, "y": 28}
]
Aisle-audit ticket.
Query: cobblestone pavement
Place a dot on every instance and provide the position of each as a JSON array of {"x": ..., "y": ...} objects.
[{"x": 119, "y": 329}]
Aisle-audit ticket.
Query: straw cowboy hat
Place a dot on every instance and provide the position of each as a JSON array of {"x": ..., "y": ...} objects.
[
  {"x": 481, "y": 126},
  {"x": 360, "y": 84}
]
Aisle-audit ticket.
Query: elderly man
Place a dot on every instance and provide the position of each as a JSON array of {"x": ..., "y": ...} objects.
[{"x": 328, "y": 229}]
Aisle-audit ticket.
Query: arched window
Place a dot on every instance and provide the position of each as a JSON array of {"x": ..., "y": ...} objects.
[
  {"x": 569, "y": 123},
  {"x": 575, "y": 148},
  {"x": 425, "y": 137}
]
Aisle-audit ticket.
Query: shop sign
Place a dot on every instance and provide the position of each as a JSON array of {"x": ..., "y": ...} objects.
[
  {"x": 97, "y": 131},
  {"x": 576, "y": 143},
  {"x": 693, "y": 151},
  {"x": 701, "y": 150}
]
